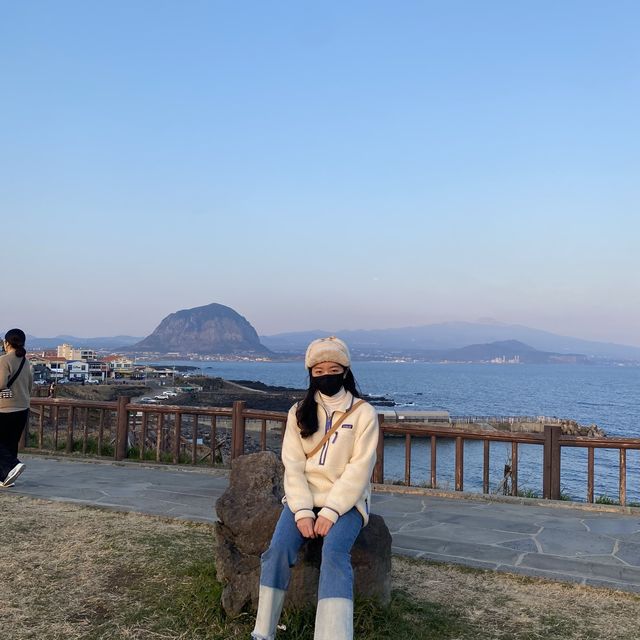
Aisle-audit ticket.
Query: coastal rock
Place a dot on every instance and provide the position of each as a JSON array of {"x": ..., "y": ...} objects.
[
  {"x": 248, "y": 512},
  {"x": 573, "y": 428},
  {"x": 211, "y": 329}
]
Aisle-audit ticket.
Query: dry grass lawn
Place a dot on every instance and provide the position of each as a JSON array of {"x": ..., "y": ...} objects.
[
  {"x": 509, "y": 606},
  {"x": 71, "y": 572}
]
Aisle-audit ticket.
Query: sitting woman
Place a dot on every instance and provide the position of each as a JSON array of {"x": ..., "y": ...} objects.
[{"x": 329, "y": 451}]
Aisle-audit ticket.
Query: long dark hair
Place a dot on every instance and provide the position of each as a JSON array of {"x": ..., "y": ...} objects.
[
  {"x": 16, "y": 338},
  {"x": 307, "y": 411}
]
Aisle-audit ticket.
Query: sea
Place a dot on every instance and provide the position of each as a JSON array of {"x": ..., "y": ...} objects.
[{"x": 608, "y": 396}]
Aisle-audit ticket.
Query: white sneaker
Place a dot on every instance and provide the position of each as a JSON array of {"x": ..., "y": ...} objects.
[{"x": 13, "y": 474}]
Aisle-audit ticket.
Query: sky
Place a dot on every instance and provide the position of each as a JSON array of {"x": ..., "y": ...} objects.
[{"x": 334, "y": 165}]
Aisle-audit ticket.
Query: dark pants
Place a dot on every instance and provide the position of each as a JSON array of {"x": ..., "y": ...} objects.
[{"x": 11, "y": 427}]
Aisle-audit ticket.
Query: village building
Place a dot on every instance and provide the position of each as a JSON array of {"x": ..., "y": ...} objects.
[
  {"x": 119, "y": 365},
  {"x": 77, "y": 370},
  {"x": 70, "y": 353},
  {"x": 56, "y": 365},
  {"x": 99, "y": 370}
]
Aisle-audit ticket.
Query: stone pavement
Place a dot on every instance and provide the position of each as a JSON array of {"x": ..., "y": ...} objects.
[{"x": 552, "y": 541}]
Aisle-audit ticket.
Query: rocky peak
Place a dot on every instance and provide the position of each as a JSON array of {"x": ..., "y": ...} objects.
[{"x": 210, "y": 329}]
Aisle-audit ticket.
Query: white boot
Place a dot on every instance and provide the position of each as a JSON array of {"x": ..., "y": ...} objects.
[
  {"x": 334, "y": 619},
  {"x": 270, "y": 603}
]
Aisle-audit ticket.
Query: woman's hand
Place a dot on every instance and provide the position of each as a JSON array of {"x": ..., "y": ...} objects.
[
  {"x": 305, "y": 527},
  {"x": 322, "y": 526}
]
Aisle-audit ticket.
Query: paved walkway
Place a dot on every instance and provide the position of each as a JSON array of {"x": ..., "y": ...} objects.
[{"x": 562, "y": 543}]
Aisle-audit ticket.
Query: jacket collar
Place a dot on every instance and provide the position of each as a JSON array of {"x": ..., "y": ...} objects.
[{"x": 342, "y": 404}]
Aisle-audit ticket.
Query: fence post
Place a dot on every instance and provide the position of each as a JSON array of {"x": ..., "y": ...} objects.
[
  {"x": 122, "y": 428},
  {"x": 177, "y": 432},
  {"x": 71, "y": 418},
  {"x": 434, "y": 462},
  {"x": 623, "y": 477},
  {"x": 459, "y": 465},
  {"x": 551, "y": 462},
  {"x": 378, "y": 470},
  {"x": 237, "y": 429}
]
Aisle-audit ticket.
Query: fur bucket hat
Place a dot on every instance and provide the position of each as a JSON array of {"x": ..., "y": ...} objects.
[{"x": 329, "y": 349}]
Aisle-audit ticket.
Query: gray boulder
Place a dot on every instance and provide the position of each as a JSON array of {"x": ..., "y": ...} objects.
[{"x": 248, "y": 512}]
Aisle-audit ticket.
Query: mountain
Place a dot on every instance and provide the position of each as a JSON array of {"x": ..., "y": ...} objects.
[
  {"x": 115, "y": 342},
  {"x": 508, "y": 350},
  {"x": 211, "y": 329},
  {"x": 452, "y": 335}
]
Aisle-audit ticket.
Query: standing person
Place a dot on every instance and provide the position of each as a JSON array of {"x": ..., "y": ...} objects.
[
  {"x": 327, "y": 491},
  {"x": 14, "y": 411}
]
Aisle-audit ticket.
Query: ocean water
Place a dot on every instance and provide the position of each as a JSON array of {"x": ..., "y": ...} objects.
[{"x": 605, "y": 395}]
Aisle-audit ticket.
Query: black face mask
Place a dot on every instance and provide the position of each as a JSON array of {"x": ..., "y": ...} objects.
[{"x": 329, "y": 385}]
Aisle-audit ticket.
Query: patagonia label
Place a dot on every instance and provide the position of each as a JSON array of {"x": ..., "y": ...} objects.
[{"x": 347, "y": 426}]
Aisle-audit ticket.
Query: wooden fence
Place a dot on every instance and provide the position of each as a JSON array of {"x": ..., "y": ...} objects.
[
  {"x": 195, "y": 435},
  {"x": 164, "y": 433}
]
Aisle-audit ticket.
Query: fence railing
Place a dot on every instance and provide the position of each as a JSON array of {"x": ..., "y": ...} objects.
[
  {"x": 164, "y": 433},
  {"x": 195, "y": 435}
]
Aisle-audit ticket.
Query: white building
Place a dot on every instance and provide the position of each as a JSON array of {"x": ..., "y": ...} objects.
[
  {"x": 78, "y": 370},
  {"x": 70, "y": 353}
]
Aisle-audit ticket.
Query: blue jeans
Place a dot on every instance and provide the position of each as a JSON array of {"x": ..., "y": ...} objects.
[{"x": 336, "y": 573}]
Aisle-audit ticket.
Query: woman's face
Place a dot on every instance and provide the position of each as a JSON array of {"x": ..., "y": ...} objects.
[{"x": 326, "y": 369}]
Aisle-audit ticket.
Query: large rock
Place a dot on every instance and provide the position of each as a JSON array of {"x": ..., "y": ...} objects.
[
  {"x": 248, "y": 512},
  {"x": 213, "y": 328}
]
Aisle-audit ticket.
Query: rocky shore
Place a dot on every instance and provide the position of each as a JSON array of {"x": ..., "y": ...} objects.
[
  {"x": 257, "y": 395},
  {"x": 223, "y": 393}
]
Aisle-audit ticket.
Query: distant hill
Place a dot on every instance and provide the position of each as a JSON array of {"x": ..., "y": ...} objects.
[
  {"x": 211, "y": 329},
  {"x": 231, "y": 333},
  {"x": 115, "y": 342},
  {"x": 452, "y": 335},
  {"x": 510, "y": 350}
]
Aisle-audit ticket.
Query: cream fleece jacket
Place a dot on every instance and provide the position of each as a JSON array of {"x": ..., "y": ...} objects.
[
  {"x": 21, "y": 388},
  {"x": 337, "y": 478}
]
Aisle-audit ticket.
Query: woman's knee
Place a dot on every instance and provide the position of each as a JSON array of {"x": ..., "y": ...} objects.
[
  {"x": 284, "y": 545},
  {"x": 280, "y": 553},
  {"x": 344, "y": 533}
]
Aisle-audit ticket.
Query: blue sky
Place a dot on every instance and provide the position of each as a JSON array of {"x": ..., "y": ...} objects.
[{"x": 333, "y": 165}]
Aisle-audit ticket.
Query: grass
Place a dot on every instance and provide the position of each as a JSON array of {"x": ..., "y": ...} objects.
[
  {"x": 48, "y": 444},
  {"x": 73, "y": 572},
  {"x": 529, "y": 493},
  {"x": 108, "y": 450},
  {"x": 532, "y": 493}
]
